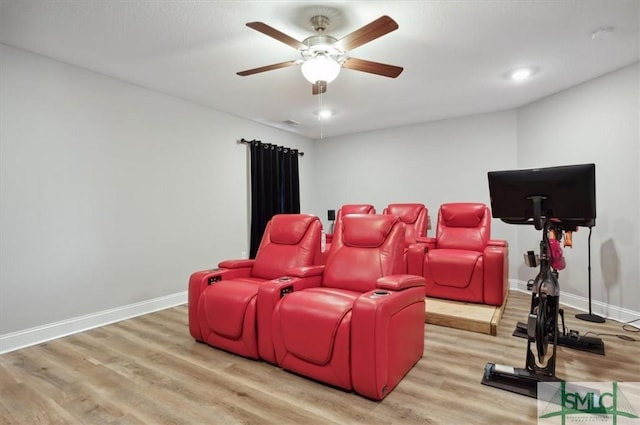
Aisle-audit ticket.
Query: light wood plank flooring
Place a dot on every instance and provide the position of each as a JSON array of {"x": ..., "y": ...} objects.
[{"x": 148, "y": 370}]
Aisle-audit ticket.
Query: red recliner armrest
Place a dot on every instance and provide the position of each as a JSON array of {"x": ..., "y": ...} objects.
[
  {"x": 415, "y": 255},
  {"x": 430, "y": 242},
  {"x": 236, "y": 264},
  {"x": 497, "y": 242},
  {"x": 380, "y": 350},
  {"x": 269, "y": 294},
  {"x": 398, "y": 282},
  {"x": 496, "y": 264}
]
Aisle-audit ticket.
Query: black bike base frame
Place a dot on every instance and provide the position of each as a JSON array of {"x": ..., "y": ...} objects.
[{"x": 515, "y": 380}]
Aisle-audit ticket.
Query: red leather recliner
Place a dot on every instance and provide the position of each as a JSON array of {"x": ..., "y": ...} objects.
[
  {"x": 349, "y": 209},
  {"x": 462, "y": 263},
  {"x": 362, "y": 327},
  {"x": 344, "y": 210},
  {"x": 415, "y": 217},
  {"x": 222, "y": 301}
]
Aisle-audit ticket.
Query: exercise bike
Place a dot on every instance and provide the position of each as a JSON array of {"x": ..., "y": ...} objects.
[
  {"x": 563, "y": 337},
  {"x": 541, "y": 327}
]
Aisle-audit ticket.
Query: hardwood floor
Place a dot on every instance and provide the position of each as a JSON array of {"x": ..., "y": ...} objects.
[{"x": 148, "y": 370}]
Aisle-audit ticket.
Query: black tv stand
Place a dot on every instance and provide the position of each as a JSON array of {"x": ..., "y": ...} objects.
[{"x": 590, "y": 317}]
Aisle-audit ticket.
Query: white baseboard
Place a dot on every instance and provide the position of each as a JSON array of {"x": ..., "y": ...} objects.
[
  {"x": 21, "y": 339},
  {"x": 605, "y": 310}
]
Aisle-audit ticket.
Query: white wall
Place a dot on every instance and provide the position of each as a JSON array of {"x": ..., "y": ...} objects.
[
  {"x": 596, "y": 122},
  {"x": 432, "y": 163},
  {"x": 112, "y": 194}
]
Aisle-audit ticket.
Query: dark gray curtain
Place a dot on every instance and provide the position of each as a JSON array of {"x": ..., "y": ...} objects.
[{"x": 275, "y": 186}]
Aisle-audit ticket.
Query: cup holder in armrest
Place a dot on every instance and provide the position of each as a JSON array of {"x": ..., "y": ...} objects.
[
  {"x": 377, "y": 294},
  {"x": 284, "y": 279}
]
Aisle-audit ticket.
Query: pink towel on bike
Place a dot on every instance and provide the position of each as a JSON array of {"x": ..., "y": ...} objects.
[{"x": 557, "y": 259}]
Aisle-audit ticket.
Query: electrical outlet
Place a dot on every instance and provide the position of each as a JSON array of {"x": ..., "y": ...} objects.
[{"x": 243, "y": 254}]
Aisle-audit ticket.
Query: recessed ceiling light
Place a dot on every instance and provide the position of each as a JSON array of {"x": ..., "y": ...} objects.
[
  {"x": 521, "y": 74},
  {"x": 602, "y": 33}
]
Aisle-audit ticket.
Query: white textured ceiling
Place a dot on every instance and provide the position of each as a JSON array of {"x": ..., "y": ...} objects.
[{"x": 454, "y": 53}]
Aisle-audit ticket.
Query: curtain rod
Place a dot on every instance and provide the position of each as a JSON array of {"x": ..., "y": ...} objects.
[{"x": 248, "y": 142}]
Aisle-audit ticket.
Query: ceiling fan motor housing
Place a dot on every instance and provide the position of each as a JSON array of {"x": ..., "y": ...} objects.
[
  {"x": 320, "y": 23},
  {"x": 322, "y": 45}
]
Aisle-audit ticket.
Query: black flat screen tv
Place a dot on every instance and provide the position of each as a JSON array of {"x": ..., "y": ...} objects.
[{"x": 566, "y": 194}]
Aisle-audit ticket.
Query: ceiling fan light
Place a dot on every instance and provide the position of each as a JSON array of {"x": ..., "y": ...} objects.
[{"x": 320, "y": 68}]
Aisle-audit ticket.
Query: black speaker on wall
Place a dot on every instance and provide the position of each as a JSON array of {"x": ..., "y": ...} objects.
[{"x": 331, "y": 215}]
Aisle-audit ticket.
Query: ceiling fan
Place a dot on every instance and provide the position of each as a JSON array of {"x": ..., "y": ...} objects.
[{"x": 322, "y": 56}]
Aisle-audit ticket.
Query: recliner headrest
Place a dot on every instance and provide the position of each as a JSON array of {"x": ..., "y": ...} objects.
[
  {"x": 462, "y": 214},
  {"x": 288, "y": 229},
  {"x": 356, "y": 209},
  {"x": 366, "y": 230},
  {"x": 408, "y": 213}
]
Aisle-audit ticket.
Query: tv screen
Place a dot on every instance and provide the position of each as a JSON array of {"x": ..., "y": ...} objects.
[{"x": 567, "y": 194}]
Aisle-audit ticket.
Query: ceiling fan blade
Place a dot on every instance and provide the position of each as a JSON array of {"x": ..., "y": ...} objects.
[
  {"x": 274, "y": 33},
  {"x": 372, "y": 67},
  {"x": 267, "y": 68},
  {"x": 381, "y": 26},
  {"x": 319, "y": 87}
]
